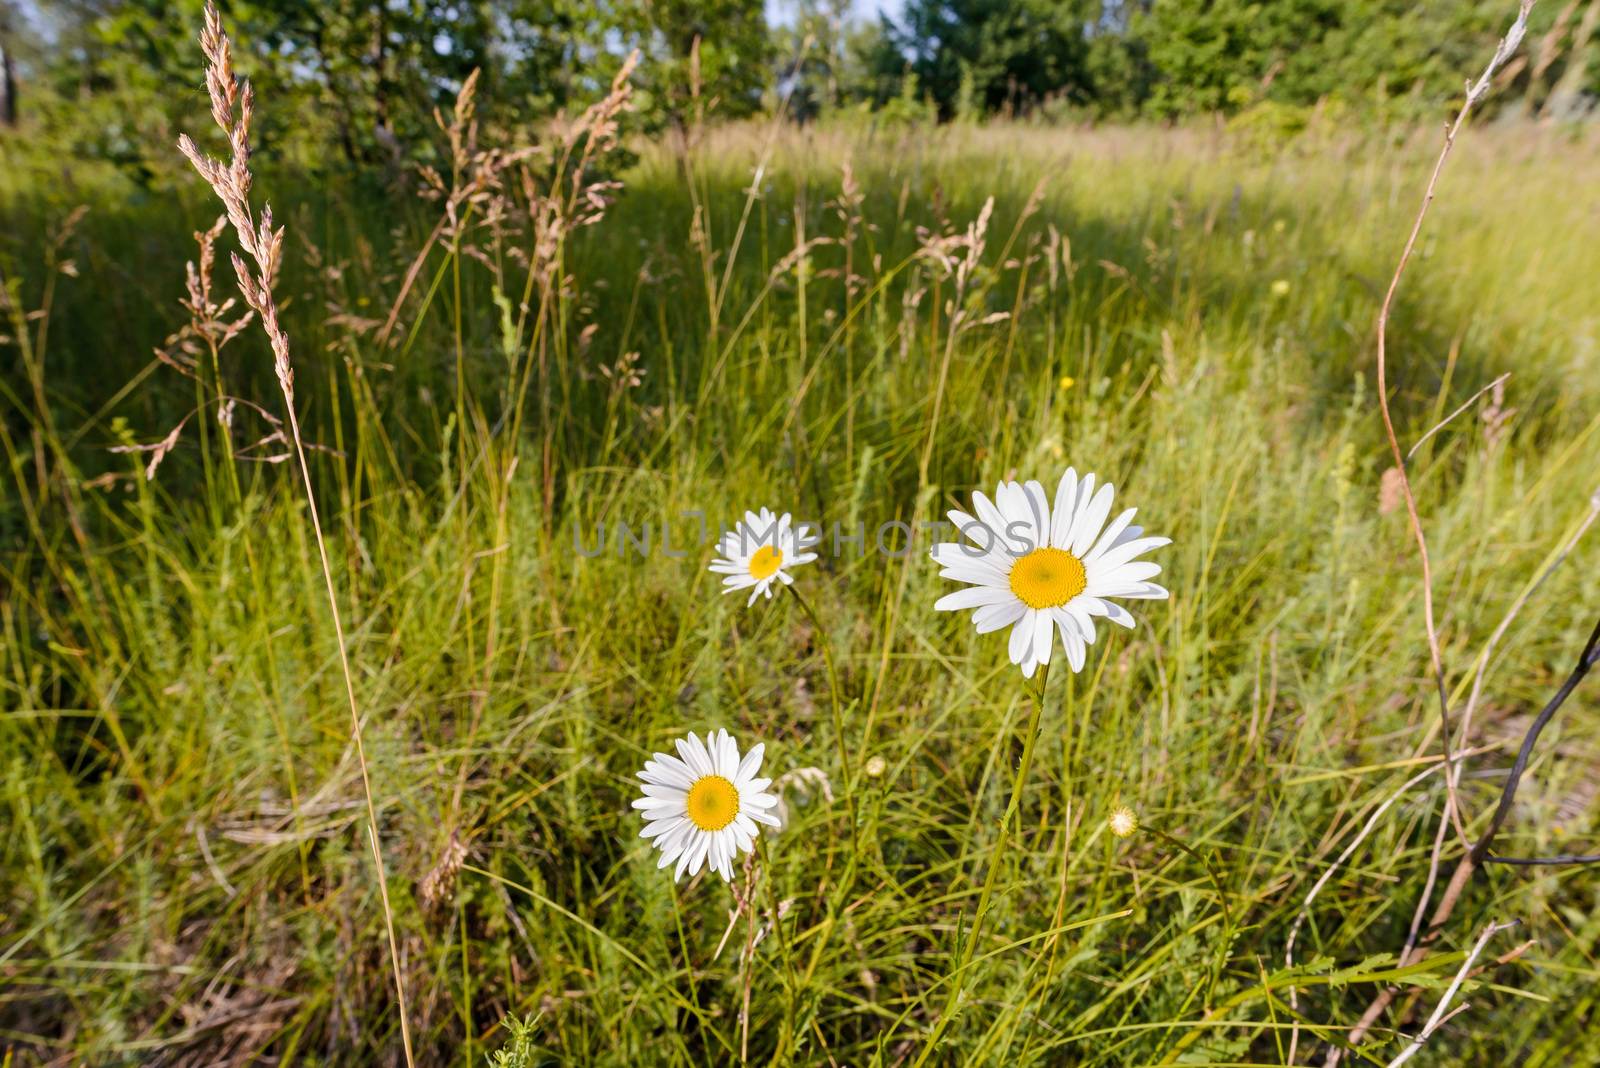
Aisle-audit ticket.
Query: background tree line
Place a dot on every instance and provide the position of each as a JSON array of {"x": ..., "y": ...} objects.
[{"x": 355, "y": 83}]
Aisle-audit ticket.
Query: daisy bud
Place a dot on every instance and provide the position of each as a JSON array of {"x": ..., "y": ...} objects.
[{"x": 1123, "y": 823}]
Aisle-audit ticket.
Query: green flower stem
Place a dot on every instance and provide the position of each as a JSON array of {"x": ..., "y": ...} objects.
[
  {"x": 958, "y": 978},
  {"x": 833, "y": 694}
]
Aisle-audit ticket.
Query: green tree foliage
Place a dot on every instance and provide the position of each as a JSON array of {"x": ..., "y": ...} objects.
[
  {"x": 814, "y": 52},
  {"x": 354, "y": 83},
  {"x": 1010, "y": 54},
  {"x": 715, "y": 50},
  {"x": 1219, "y": 55}
]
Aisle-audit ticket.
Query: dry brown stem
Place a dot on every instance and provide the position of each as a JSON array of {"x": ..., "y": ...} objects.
[{"x": 232, "y": 107}]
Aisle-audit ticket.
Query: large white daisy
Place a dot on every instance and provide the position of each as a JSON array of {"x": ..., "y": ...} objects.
[
  {"x": 702, "y": 806},
  {"x": 1038, "y": 568},
  {"x": 758, "y": 553}
]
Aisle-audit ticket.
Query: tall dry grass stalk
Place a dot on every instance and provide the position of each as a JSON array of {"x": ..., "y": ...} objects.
[
  {"x": 232, "y": 106},
  {"x": 1418, "y": 945}
]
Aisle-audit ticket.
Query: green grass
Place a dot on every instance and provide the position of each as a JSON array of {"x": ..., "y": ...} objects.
[{"x": 185, "y": 871}]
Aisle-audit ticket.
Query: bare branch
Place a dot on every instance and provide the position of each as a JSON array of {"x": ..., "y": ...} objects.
[
  {"x": 1475, "y": 93},
  {"x": 1439, "y": 1015}
]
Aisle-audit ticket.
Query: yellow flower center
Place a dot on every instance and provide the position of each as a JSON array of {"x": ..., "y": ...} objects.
[
  {"x": 1048, "y": 578},
  {"x": 765, "y": 563},
  {"x": 712, "y": 803}
]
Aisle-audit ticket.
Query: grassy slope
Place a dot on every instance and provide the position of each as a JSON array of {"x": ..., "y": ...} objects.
[{"x": 185, "y": 873}]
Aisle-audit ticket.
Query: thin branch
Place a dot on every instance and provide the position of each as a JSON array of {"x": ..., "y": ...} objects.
[
  {"x": 1439, "y": 1014},
  {"x": 1508, "y": 794},
  {"x": 1475, "y": 93},
  {"x": 1305, "y": 906},
  {"x": 1465, "y": 725},
  {"x": 1415, "y": 951},
  {"x": 1557, "y": 859},
  {"x": 1441, "y": 424}
]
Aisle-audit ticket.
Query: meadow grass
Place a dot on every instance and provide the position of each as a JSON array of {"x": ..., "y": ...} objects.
[{"x": 1185, "y": 313}]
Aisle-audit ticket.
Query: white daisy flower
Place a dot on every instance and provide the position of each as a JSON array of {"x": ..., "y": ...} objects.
[
  {"x": 702, "y": 806},
  {"x": 758, "y": 553},
  {"x": 1038, "y": 569}
]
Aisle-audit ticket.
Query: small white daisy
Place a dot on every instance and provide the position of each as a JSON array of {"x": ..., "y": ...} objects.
[
  {"x": 1039, "y": 569},
  {"x": 702, "y": 806},
  {"x": 759, "y": 551}
]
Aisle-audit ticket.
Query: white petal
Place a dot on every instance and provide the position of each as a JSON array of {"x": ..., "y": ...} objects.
[
  {"x": 1128, "y": 535},
  {"x": 1117, "y": 614},
  {"x": 1043, "y": 636},
  {"x": 1132, "y": 591},
  {"x": 1075, "y": 653},
  {"x": 656, "y": 828},
  {"x": 995, "y": 616},
  {"x": 1039, "y": 504},
  {"x": 751, "y": 762},
  {"x": 1065, "y": 509},
  {"x": 1125, "y": 552},
  {"x": 671, "y": 765},
  {"x": 714, "y": 855},
  {"x": 1067, "y": 624},
  {"x": 672, "y": 846},
  {"x": 958, "y": 554},
  {"x": 1080, "y": 505},
  {"x": 1029, "y": 665},
  {"x": 990, "y": 515},
  {"x": 973, "y": 597},
  {"x": 683, "y": 861},
  {"x": 1022, "y": 636},
  {"x": 977, "y": 576},
  {"x": 1109, "y": 537},
  {"x": 1134, "y": 571},
  {"x": 974, "y": 530},
  {"x": 698, "y": 853},
  {"x": 1081, "y": 619},
  {"x": 1091, "y": 520},
  {"x": 692, "y": 755},
  {"x": 1012, "y": 500}
]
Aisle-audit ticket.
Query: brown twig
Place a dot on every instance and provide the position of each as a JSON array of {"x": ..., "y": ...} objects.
[
  {"x": 1415, "y": 950},
  {"x": 1475, "y": 93}
]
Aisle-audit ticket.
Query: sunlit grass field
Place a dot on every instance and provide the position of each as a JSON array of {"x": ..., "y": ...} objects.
[{"x": 771, "y": 316}]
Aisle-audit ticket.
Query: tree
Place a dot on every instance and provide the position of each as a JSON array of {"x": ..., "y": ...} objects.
[
  {"x": 10, "y": 26},
  {"x": 718, "y": 48},
  {"x": 1011, "y": 54},
  {"x": 1219, "y": 55}
]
